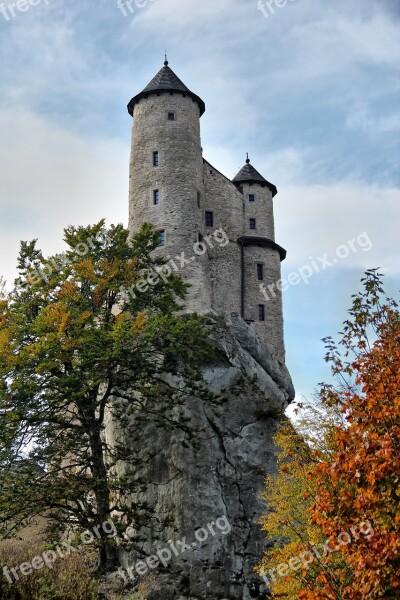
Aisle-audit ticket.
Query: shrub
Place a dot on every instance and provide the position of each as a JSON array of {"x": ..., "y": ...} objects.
[{"x": 70, "y": 578}]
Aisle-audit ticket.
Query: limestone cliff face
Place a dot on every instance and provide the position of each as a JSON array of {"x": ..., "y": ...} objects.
[{"x": 223, "y": 477}]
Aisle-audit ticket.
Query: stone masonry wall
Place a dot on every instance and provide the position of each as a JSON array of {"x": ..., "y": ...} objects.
[
  {"x": 232, "y": 211},
  {"x": 226, "y": 203},
  {"x": 261, "y": 209}
]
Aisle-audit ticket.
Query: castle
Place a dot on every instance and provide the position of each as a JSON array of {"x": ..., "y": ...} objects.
[
  {"x": 193, "y": 207},
  {"x": 173, "y": 187}
]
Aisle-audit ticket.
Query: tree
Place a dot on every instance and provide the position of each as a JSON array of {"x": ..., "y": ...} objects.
[
  {"x": 297, "y": 551},
  {"x": 360, "y": 481},
  {"x": 86, "y": 335},
  {"x": 334, "y": 506}
]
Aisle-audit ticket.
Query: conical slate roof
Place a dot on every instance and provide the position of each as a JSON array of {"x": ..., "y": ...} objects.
[
  {"x": 165, "y": 81},
  {"x": 248, "y": 174}
]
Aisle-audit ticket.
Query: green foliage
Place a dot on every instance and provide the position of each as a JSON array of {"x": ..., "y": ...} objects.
[{"x": 76, "y": 347}]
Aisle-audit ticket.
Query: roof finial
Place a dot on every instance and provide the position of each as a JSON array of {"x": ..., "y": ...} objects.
[
  {"x": 166, "y": 59},
  {"x": 247, "y": 159}
]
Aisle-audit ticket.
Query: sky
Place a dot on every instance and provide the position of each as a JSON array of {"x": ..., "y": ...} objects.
[{"x": 309, "y": 88}]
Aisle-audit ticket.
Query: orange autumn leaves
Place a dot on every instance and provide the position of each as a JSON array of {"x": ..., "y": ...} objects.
[
  {"x": 357, "y": 478},
  {"x": 366, "y": 466},
  {"x": 96, "y": 280}
]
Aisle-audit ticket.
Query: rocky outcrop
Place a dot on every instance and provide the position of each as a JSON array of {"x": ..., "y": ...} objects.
[{"x": 210, "y": 493}]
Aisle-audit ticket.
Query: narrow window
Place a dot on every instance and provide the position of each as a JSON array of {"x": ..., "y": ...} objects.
[
  {"x": 252, "y": 223},
  {"x": 251, "y": 197},
  {"x": 198, "y": 199},
  {"x": 260, "y": 271},
  {"x": 162, "y": 238},
  {"x": 156, "y": 197},
  {"x": 199, "y": 237},
  {"x": 209, "y": 218},
  {"x": 261, "y": 312},
  {"x": 156, "y": 159},
  {"x": 171, "y": 116}
]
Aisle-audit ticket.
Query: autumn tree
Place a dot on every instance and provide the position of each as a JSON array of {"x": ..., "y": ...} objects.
[
  {"x": 333, "y": 509},
  {"x": 90, "y": 333},
  {"x": 296, "y": 550},
  {"x": 360, "y": 481}
]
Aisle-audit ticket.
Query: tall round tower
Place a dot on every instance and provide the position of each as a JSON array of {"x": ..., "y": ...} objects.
[
  {"x": 260, "y": 259},
  {"x": 166, "y": 176}
]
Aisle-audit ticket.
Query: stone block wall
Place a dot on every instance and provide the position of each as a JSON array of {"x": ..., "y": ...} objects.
[{"x": 226, "y": 203}]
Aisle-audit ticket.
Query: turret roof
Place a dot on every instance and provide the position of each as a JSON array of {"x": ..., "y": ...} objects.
[
  {"x": 248, "y": 174},
  {"x": 165, "y": 81}
]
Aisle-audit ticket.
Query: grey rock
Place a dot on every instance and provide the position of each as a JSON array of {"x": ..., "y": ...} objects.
[{"x": 212, "y": 491}]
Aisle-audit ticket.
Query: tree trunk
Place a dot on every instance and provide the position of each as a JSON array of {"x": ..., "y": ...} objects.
[{"x": 108, "y": 554}]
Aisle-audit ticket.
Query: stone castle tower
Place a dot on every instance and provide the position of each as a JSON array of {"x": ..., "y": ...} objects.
[
  {"x": 189, "y": 202},
  {"x": 173, "y": 187}
]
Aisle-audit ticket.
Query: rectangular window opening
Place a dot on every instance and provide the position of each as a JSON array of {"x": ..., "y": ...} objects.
[
  {"x": 209, "y": 218},
  {"x": 260, "y": 271},
  {"x": 261, "y": 312},
  {"x": 171, "y": 116},
  {"x": 162, "y": 238},
  {"x": 252, "y": 223},
  {"x": 251, "y": 197},
  {"x": 156, "y": 197},
  {"x": 156, "y": 159}
]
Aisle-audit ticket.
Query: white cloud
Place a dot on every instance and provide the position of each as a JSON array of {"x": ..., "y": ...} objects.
[
  {"x": 315, "y": 220},
  {"x": 51, "y": 178}
]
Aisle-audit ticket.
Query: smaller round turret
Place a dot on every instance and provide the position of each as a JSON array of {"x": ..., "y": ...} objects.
[{"x": 261, "y": 258}]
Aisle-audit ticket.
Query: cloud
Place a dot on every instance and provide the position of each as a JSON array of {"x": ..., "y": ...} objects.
[
  {"x": 314, "y": 220},
  {"x": 51, "y": 178}
]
